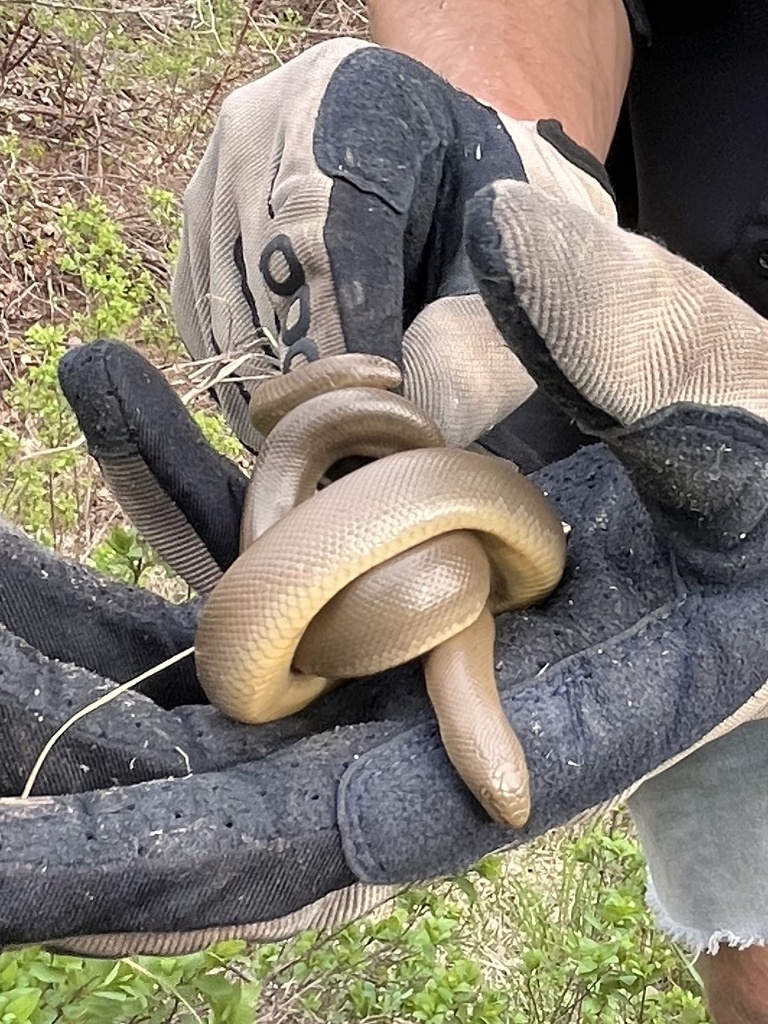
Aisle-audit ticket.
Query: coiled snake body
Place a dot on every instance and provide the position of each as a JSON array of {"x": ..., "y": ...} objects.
[{"x": 409, "y": 556}]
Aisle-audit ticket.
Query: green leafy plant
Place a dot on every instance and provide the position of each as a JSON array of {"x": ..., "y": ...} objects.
[
  {"x": 125, "y": 555},
  {"x": 37, "y": 461},
  {"x": 219, "y": 434},
  {"x": 115, "y": 284},
  {"x": 43, "y": 988},
  {"x": 44, "y": 475}
]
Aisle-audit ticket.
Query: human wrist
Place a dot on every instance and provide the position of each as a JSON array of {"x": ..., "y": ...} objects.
[{"x": 530, "y": 60}]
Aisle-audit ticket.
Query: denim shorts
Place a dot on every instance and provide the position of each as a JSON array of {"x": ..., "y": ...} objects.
[{"x": 703, "y": 826}]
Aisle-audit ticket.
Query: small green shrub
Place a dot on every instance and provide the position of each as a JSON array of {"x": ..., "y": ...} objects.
[
  {"x": 43, "y": 988},
  {"x": 114, "y": 282},
  {"x": 37, "y": 461},
  {"x": 219, "y": 434},
  {"x": 44, "y": 471},
  {"x": 125, "y": 555}
]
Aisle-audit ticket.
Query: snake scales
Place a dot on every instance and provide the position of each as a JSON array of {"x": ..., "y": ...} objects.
[{"x": 409, "y": 556}]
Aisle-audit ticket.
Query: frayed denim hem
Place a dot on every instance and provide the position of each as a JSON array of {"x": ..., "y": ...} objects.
[{"x": 694, "y": 940}]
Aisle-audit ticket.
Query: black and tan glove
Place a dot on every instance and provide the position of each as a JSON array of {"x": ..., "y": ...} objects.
[{"x": 328, "y": 212}]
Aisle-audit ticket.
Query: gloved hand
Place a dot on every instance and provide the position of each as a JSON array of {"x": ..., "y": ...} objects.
[
  {"x": 328, "y": 212},
  {"x": 653, "y": 643}
]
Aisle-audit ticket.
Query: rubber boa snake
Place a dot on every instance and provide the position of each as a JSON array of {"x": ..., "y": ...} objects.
[{"x": 409, "y": 556}]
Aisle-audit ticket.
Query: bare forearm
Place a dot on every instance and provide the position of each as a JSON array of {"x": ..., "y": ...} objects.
[{"x": 529, "y": 58}]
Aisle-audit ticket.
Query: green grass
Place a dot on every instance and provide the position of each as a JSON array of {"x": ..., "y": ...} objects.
[{"x": 109, "y": 113}]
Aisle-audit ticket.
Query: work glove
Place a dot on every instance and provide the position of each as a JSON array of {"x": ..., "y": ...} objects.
[
  {"x": 654, "y": 642},
  {"x": 327, "y": 216}
]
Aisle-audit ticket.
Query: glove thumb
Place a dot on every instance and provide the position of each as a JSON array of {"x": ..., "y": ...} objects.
[
  {"x": 644, "y": 350},
  {"x": 459, "y": 369}
]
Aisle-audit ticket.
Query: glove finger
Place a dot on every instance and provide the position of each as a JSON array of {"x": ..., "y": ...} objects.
[
  {"x": 465, "y": 388},
  {"x": 179, "y": 493},
  {"x": 128, "y": 741},
  {"x": 210, "y": 850},
  {"x": 131, "y": 739},
  {"x": 73, "y": 615},
  {"x": 618, "y": 327},
  {"x": 626, "y": 341},
  {"x": 460, "y": 370}
]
